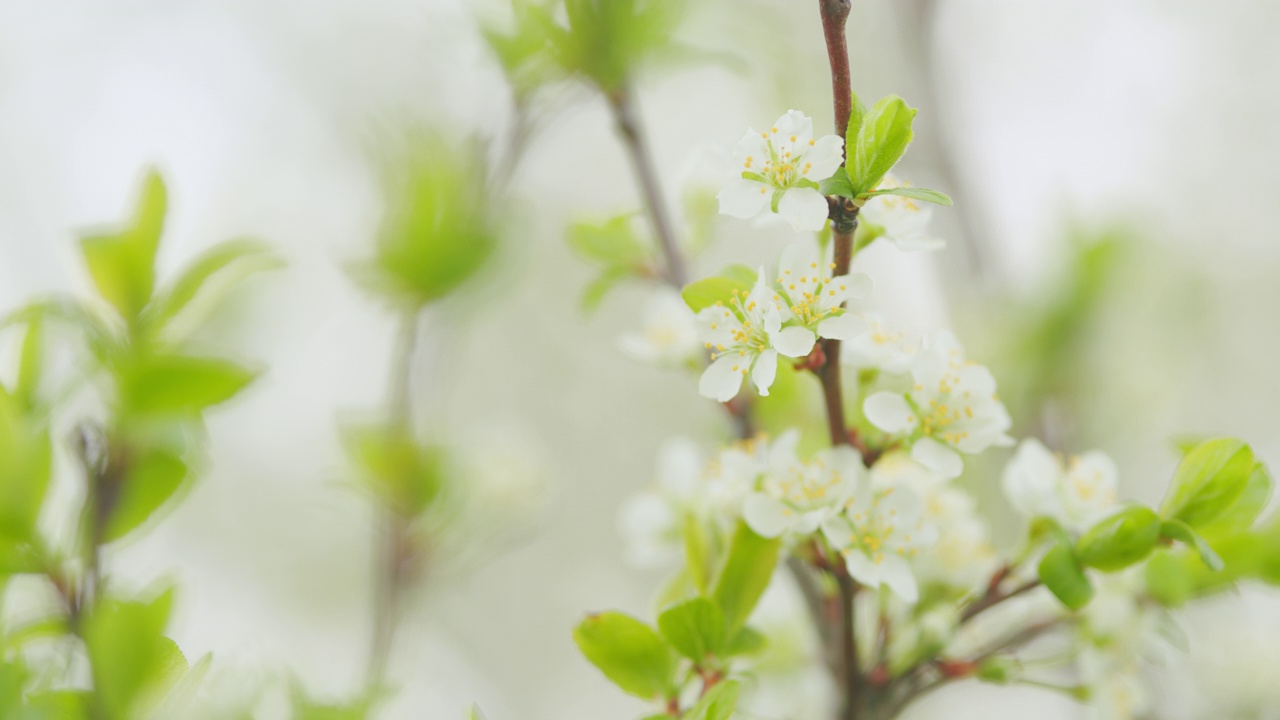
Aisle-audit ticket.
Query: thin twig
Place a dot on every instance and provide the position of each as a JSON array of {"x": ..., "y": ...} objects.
[
  {"x": 627, "y": 119},
  {"x": 992, "y": 599}
]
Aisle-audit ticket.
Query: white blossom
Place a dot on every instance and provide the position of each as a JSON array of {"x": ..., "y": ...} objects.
[
  {"x": 881, "y": 347},
  {"x": 952, "y": 408},
  {"x": 669, "y": 336},
  {"x": 814, "y": 299},
  {"x": 781, "y": 169},
  {"x": 878, "y": 534},
  {"x": 649, "y": 521},
  {"x": 902, "y": 220},
  {"x": 1077, "y": 491},
  {"x": 795, "y": 496},
  {"x": 746, "y": 336},
  {"x": 963, "y": 556}
]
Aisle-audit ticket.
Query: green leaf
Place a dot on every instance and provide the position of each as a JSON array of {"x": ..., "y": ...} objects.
[
  {"x": 857, "y": 114},
  {"x": 694, "y": 627},
  {"x": 740, "y": 273},
  {"x": 882, "y": 140},
  {"x": 1242, "y": 514},
  {"x": 837, "y": 184},
  {"x": 122, "y": 264},
  {"x": 628, "y": 652},
  {"x": 709, "y": 291},
  {"x": 439, "y": 229},
  {"x": 1183, "y": 533},
  {"x": 27, "y": 388},
  {"x": 745, "y": 576},
  {"x": 718, "y": 703},
  {"x": 1208, "y": 481},
  {"x": 596, "y": 290},
  {"x": 399, "y": 470},
  {"x": 915, "y": 193},
  {"x": 26, "y": 457},
  {"x": 229, "y": 262},
  {"x": 747, "y": 642},
  {"x": 149, "y": 484},
  {"x": 697, "y": 551},
  {"x": 1120, "y": 540},
  {"x": 613, "y": 243},
  {"x": 128, "y": 653},
  {"x": 1168, "y": 580},
  {"x": 1061, "y": 572},
  {"x": 160, "y": 384}
]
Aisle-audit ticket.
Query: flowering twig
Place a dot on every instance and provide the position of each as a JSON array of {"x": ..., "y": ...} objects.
[{"x": 628, "y": 121}]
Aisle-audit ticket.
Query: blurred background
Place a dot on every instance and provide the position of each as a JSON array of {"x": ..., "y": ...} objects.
[{"x": 1112, "y": 164}]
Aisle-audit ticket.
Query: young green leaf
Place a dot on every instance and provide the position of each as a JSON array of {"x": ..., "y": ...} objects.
[
  {"x": 697, "y": 551},
  {"x": 882, "y": 140},
  {"x": 231, "y": 261},
  {"x": 1060, "y": 571},
  {"x": 718, "y": 703},
  {"x": 613, "y": 243},
  {"x": 1241, "y": 515},
  {"x": 628, "y": 652},
  {"x": 1183, "y": 533},
  {"x": 127, "y": 650},
  {"x": 181, "y": 383},
  {"x": 709, "y": 291},
  {"x": 694, "y": 627},
  {"x": 915, "y": 193},
  {"x": 26, "y": 456},
  {"x": 837, "y": 184},
  {"x": 1208, "y": 481},
  {"x": 122, "y": 264},
  {"x": 1120, "y": 540},
  {"x": 746, "y": 573},
  {"x": 857, "y": 114},
  {"x": 152, "y": 480},
  {"x": 747, "y": 642}
]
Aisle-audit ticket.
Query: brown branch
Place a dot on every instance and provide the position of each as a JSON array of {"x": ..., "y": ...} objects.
[
  {"x": 994, "y": 597},
  {"x": 628, "y": 121}
]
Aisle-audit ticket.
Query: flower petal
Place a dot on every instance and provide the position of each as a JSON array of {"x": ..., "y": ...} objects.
[
  {"x": 723, "y": 378},
  {"x": 793, "y": 341},
  {"x": 823, "y": 157},
  {"x": 744, "y": 198},
  {"x": 765, "y": 515},
  {"x": 862, "y": 569},
  {"x": 896, "y": 573},
  {"x": 889, "y": 412},
  {"x": 805, "y": 208},
  {"x": 937, "y": 457},
  {"x": 842, "y": 327},
  {"x": 765, "y": 370}
]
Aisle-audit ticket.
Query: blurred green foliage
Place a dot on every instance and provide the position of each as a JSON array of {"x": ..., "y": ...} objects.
[{"x": 439, "y": 227}]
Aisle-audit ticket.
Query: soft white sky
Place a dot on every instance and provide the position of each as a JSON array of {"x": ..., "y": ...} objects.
[{"x": 1165, "y": 114}]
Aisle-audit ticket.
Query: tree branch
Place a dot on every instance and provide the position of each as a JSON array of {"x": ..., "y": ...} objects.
[{"x": 628, "y": 121}]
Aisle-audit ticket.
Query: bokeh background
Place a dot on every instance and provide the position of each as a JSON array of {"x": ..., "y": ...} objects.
[{"x": 1153, "y": 125}]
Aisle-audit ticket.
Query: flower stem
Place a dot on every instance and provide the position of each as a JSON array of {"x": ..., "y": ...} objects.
[
  {"x": 392, "y": 554},
  {"x": 627, "y": 119}
]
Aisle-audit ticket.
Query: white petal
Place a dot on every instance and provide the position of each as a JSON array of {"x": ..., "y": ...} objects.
[
  {"x": 722, "y": 378},
  {"x": 937, "y": 457},
  {"x": 896, "y": 573},
  {"x": 889, "y": 412},
  {"x": 752, "y": 146},
  {"x": 680, "y": 467},
  {"x": 766, "y": 368},
  {"x": 805, "y": 208},
  {"x": 765, "y": 515},
  {"x": 842, "y": 327},
  {"x": 796, "y": 260},
  {"x": 823, "y": 157},
  {"x": 793, "y": 341},
  {"x": 862, "y": 569},
  {"x": 744, "y": 198}
]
